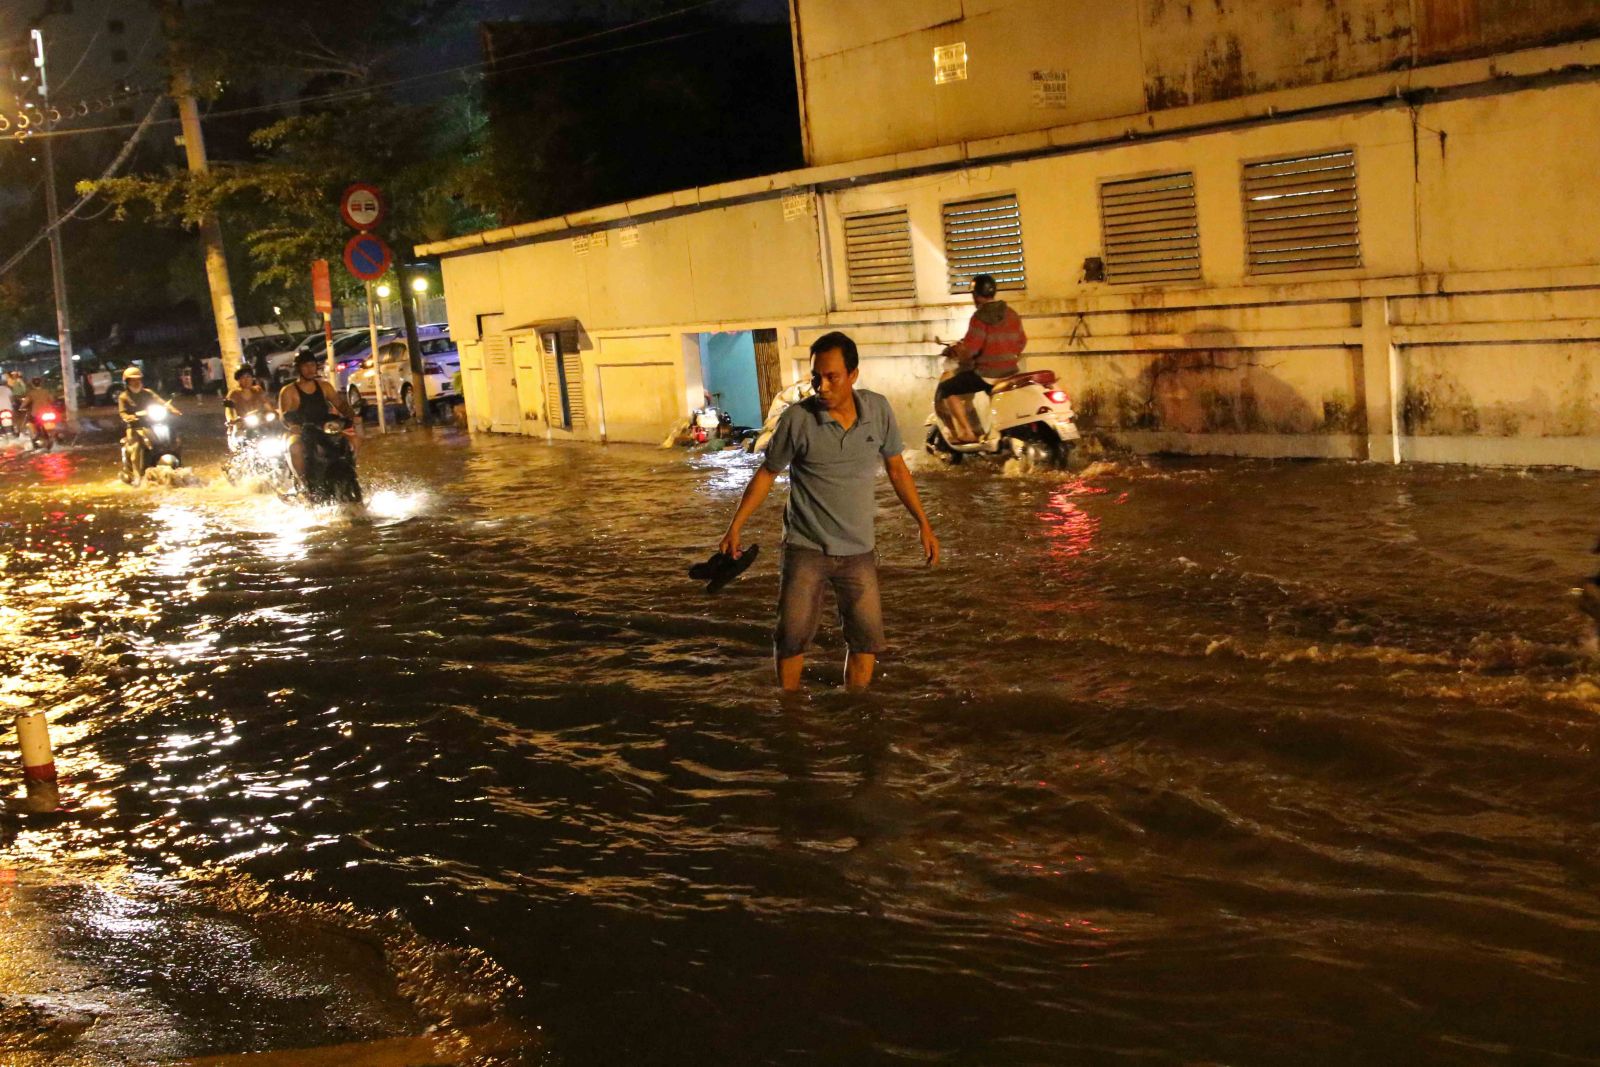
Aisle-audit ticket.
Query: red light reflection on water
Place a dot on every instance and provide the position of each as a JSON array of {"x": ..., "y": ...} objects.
[
  {"x": 1070, "y": 529},
  {"x": 55, "y": 467}
]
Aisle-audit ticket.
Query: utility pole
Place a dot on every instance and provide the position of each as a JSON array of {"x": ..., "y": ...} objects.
[
  {"x": 58, "y": 264},
  {"x": 194, "y": 150},
  {"x": 408, "y": 313}
]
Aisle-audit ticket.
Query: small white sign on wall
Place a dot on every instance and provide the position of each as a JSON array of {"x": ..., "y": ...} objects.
[
  {"x": 950, "y": 63},
  {"x": 628, "y": 236},
  {"x": 796, "y": 204},
  {"x": 1049, "y": 88}
]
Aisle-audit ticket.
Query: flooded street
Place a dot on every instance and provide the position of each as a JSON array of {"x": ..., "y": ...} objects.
[{"x": 1184, "y": 761}]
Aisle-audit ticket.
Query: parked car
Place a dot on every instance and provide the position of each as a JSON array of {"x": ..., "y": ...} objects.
[
  {"x": 280, "y": 365},
  {"x": 440, "y": 366}
]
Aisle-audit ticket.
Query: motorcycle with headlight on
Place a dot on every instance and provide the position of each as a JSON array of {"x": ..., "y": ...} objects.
[
  {"x": 150, "y": 441},
  {"x": 257, "y": 447}
]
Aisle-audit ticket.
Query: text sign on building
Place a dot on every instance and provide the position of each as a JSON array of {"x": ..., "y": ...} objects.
[
  {"x": 950, "y": 63},
  {"x": 796, "y": 205},
  {"x": 361, "y": 206},
  {"x": 321, "y": 288},
  {"x": 628, "y": 236},
  {"x": 1049, "y": 88}
]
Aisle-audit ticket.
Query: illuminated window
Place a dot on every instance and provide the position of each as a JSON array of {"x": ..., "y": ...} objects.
[
  {"x": 1150, "y": 229},
  {"x": 1301, "y": 213}
]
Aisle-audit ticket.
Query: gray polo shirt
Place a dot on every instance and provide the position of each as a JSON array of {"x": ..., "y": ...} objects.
[{"x": 832, "y": 471}]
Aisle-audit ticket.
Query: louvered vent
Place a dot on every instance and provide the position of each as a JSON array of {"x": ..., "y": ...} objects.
[
  {"x": 1150, "y": 229},
  {"x": 555, "y": 410},
  {"x": 877, "y": 250},
  {"x": 984, "y": 237},
  {"x": 572, "y": 368},
  {"x": 1301, "y": 213}
]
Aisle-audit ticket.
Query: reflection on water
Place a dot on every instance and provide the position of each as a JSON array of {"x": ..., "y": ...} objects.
[{"x": 1236, "y": 762}]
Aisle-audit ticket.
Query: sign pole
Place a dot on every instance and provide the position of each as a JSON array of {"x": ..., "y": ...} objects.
[
  {"x": 377, "y": 363},
  {"x": 327, "y": 335}
]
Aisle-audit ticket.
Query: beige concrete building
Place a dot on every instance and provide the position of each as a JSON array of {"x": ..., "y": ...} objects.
[{"x": 1359, "y": 228}]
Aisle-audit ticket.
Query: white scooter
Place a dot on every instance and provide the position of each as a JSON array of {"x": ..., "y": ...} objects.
[{"x": 1026, "y": 418}]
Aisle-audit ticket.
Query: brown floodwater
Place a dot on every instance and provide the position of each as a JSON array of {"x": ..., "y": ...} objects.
[{"x": 1183, "y": 761}]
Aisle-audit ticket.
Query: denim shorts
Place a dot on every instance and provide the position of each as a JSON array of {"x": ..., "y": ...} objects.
[{"x": 855, "y": 586}]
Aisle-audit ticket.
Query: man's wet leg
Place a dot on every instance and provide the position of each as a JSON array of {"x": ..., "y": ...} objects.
[
  {"x": 800, "y": 588},
  {"x": 790, "y": 670},
  {"x": 858, "y": 668}
]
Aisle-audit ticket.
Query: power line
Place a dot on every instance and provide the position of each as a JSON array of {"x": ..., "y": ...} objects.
[{"x": 116, "y": 164}]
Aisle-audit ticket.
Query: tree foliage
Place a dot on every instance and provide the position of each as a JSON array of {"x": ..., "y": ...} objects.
[{"x": 277, "y": 197}]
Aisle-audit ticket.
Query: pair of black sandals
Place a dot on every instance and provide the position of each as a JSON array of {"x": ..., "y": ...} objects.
[{"x": 722, "y": 568}]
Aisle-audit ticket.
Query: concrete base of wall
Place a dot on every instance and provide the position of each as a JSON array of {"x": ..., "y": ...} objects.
[
  {"x": 1262, "y": 445},
  {"x": 1580, "y": 452}
]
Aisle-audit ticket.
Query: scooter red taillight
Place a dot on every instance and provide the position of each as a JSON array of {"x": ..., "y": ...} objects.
[
  {"x": 1055, "y": 396},
  {"x": 47, "y": 416}
]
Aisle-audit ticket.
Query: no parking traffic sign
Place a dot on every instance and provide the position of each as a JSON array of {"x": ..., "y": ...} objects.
[{"x": 367, "y": 256}]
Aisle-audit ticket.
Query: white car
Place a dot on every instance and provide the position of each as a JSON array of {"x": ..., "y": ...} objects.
[
  {"x": 440, "y": 365},
  {"x": 280, "y": 365}
]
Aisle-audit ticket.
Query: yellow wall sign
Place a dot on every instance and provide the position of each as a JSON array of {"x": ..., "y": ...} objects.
[{"x": 950, "y": 63}]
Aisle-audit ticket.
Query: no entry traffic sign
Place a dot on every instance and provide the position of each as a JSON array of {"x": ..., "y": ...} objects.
[
  {"x": 361, "y": 206},
  {"x": 367, "y": 256}
]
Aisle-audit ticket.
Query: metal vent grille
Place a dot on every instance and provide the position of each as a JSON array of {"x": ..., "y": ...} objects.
[
  {"x": 1301, "y": 213},
  {"x": 984, "y": 237},
  {"x": 572, "y": 368},
  {"x": 877, "y": 252},
  {"x": 1150, "y": 229},
  {"x": 555, "y": 414}
]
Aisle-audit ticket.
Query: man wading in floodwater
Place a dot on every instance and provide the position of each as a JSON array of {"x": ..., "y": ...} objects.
[{"x": 833, "y": 444}]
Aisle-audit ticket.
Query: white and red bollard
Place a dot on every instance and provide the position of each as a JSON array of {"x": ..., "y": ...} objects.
[
  {"x": 38, "y": 764},
  {"x": 33, "y": 734}
]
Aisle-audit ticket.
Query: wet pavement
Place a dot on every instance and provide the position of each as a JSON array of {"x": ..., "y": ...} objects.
[{"x": 1177, "y": 762}]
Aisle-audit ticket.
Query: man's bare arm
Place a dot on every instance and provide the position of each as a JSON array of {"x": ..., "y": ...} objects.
[
  {"x": 754, "y": 493},
  {"x": 906, "y": 489}
]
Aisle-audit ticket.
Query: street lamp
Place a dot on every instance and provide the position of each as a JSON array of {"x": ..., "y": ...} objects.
[
  {"x": 419, "y": 284},
  {"x": 384, "y": 290}
]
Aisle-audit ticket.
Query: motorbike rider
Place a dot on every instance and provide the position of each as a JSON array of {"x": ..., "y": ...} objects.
[
  {"x": 135, "y": 399},
  {"x": 8, "y": 402},
  {"x": 248, "y": 398},
  {"x": 39, "y": 398},
  {"x": 989, "y": 352},
  {"x": 308, "y": 401}
]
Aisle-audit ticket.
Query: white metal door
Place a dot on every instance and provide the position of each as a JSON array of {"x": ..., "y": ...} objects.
[{"x": 505, "y": 410}]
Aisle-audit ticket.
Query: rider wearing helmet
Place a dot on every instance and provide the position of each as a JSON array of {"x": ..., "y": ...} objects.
[
  {"x": 988, "y": 353},
  {"x": 308, "y": 401},
  {"x": 135, "y": 399}
]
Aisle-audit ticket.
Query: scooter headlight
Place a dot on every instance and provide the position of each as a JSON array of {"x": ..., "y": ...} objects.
[
  {"x": 252, "y": 420},
  {"x": 333, "y": 426},
  {"x": 273, "y": 447},
  {"x": 155, "y": 413}
]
